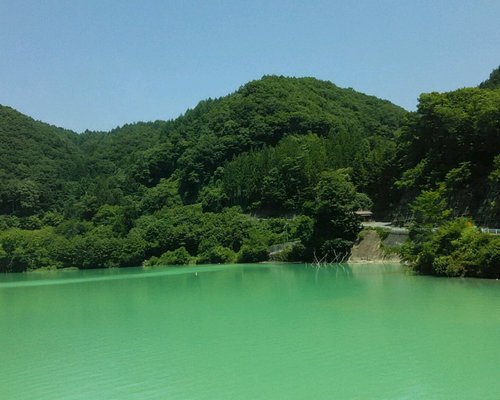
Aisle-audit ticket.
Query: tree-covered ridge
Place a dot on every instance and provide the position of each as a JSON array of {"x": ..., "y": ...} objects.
[
  {"x": 493, "y": 82},
  {"x": 450, "y": 163},
  {"x": 452, "y": 140},
  {"x": 164, "y": 190},
  {"x": 259, "y": 114},
  {"x": 263, "y": 112},
  {"x": 37, "y": 163},
  {"x": 107, "y": 151},
  {"x": 281, "y": 162}
]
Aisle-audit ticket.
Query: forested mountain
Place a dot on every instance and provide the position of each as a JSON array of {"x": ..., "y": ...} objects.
[
  {"x": 37, "y": 163},
  {"x": 258, "y": 115},
  {"x": 449, "y": 158},
  {"x": 451, "y": 143},
  {"x": 493, "y": 82},
  {"x": 184, "y": 190}
]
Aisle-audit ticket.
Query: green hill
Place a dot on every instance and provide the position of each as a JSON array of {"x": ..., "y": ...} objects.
[
  {"x": 451, "y": 143},
  {"x": 37, "y": 162},
  {"x": 258, "y": 115},
  {"x": 299, "y": 153},
  {"x": 493, "y": 82}
]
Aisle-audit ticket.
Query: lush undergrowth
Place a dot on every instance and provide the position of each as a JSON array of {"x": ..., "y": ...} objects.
[{"x": 456, "y": 248}]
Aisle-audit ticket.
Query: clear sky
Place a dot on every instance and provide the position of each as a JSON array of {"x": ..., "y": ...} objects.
[{"x": 97, "y": 64}]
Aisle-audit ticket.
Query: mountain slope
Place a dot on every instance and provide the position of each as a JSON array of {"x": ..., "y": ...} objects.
[
  {"x": 451, "y": 143},
  {"x": 299, "y": 154},
  {"x": 493, "y": 82},
  {"x": 259, "y": 114},
  {"x": 36, "y": 161},
  {"x": 154, "y": 191}
]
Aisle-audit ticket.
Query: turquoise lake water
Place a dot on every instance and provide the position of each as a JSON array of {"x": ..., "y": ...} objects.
[{"x": 248, "y": 332}]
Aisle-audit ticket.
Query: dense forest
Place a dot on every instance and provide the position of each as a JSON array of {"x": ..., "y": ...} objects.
[{"x": 280, "y": 163}]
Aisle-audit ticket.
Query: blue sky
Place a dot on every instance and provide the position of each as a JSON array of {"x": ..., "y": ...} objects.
[{"x": 86, "y": 64}]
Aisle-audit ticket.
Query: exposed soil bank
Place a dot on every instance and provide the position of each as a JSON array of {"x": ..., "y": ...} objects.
[{"x": 370, "y": 249}]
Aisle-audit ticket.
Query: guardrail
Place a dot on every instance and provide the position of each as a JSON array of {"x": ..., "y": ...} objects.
[{"x": 493, "y": 231}]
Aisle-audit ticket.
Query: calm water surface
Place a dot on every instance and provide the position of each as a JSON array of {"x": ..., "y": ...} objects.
[{"x": 248, "y": 332}]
